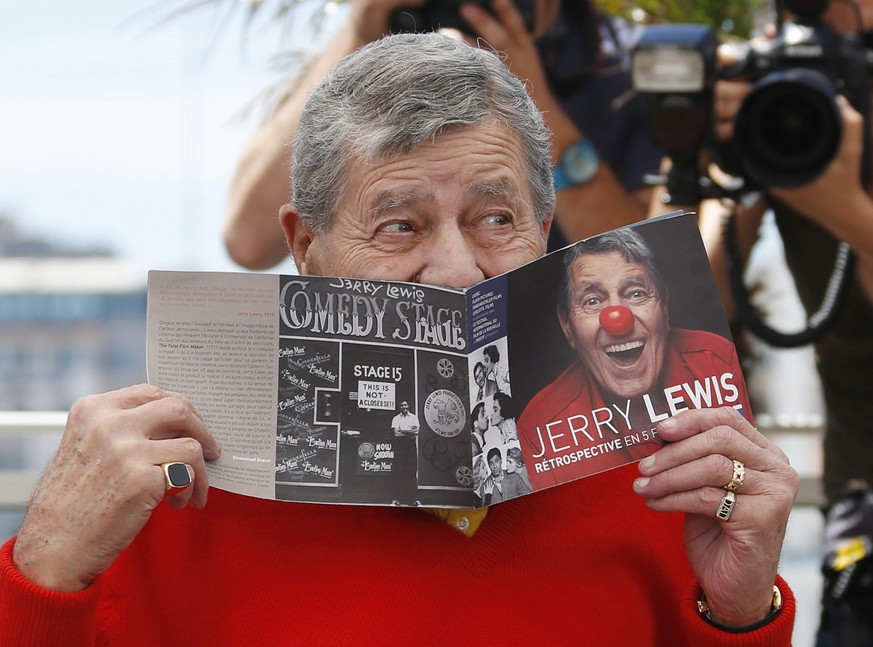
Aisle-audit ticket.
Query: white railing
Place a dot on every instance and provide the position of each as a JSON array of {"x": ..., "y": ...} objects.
[
  {"x": 39, "y": 433},
  {"x": 799, "y": 436}
]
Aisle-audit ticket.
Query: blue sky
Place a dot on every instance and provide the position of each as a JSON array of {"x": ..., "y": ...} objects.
[{"x": 119, "y": 133}]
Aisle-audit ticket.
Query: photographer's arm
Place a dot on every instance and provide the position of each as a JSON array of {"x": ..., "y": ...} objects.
[
  {"x": 252, "y": 233},
  {"x": 583, "y": 210},
  {"x": 601, "y": 204}
]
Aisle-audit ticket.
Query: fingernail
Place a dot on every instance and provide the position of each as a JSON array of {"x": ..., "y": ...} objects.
[
  {"x": 647, "y": 463},
  {"x": 641, "y": 483}
]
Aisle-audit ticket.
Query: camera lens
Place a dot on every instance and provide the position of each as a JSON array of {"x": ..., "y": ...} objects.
[{"x": 788, "y": 128}]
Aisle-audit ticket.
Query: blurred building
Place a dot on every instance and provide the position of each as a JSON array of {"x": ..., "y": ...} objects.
[{"x": 72, "y": 322}]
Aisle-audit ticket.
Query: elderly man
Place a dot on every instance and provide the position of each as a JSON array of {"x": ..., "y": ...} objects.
[
  {"x": 632, "y": 368},
  {"x": 418, "y": 158}
]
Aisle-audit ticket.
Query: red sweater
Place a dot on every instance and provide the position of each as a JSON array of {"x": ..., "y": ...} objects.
[{"x": 585, "y": 563}]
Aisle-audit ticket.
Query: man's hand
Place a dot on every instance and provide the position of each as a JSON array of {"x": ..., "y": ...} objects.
[
  {"x": 735, "y": 560},
  {"x": 728, "y": 96},
  {"x": 101, "y": 486}
]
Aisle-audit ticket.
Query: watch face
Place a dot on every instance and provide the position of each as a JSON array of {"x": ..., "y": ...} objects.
[{"x": 581, "y": 162}]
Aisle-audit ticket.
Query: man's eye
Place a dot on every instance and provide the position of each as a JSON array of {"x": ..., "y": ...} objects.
[
  {"x": 591, "y": 303},
  {"x": 638, "y": 296},
  {"x": 397, "y": 227},
  {"x": 497, "y": 219}
]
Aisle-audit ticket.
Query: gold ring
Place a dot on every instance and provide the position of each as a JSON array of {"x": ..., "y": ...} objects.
[
  {"x": 176, "y": 476},
  {"x": 726, "y": 507},
  {"x": 738, "y": 477}
]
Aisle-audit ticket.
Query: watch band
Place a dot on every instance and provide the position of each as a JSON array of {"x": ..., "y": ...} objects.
[
  {"x": 775, "y": 607},
  {"x": 579, "y": 165}
]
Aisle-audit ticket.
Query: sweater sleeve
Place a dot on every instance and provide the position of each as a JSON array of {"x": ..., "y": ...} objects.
[
  {"x": 33, "y": 616},
  {"x": 774, "y": 634}
]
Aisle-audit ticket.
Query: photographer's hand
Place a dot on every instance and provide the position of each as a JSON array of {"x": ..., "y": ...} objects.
[
  {"x": 836, "y": 199},
  {"x": 824, "y": 199},
  {"x": 506, "y": 32},
  {"x": 728, "y": 94}
]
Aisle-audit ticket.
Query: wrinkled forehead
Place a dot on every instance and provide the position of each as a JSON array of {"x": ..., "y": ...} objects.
[{"x": 608, "y": 268}]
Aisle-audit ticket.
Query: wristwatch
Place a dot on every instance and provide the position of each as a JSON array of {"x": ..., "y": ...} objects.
[
  {"x": 579, "y": 164},
  {"x": 775, "y": 608}
]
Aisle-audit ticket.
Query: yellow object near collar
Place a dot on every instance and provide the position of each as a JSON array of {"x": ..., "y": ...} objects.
[{"x": 466, "y": 520}]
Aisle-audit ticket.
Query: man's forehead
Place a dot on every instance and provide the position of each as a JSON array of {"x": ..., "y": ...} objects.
[
  {"x": 611, "y": 267},
  {"x": 493, "y": 147},
  {"x": 387, "y": 199}
]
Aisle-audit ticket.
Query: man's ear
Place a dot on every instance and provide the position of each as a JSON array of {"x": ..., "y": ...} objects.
[
  {"x": 298, "y": 235},
  {"x": 546, "y": 226}
]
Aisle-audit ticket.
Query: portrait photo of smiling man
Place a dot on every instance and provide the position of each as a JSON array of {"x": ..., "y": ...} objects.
[{"x": 631, "y": 367}]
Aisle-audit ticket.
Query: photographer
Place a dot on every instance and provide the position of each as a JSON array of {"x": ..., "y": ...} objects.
[
  {"x": 574, "y": 60},
  {"x": 812, "y": 218}
]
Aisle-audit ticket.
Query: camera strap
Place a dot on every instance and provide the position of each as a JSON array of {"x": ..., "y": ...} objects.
[{"x": 817, "y": 324}]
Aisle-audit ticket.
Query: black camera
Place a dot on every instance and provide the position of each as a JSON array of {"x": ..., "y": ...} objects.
[
  {"x": 438, "y": 14},
  {"x": 788, "y": 128},
  {"x": 786, "y": 132}
]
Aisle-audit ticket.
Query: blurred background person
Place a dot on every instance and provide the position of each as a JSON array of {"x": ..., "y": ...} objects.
[
  {"x": 575, "y": 60},
  {"x": 799, "y": 139}
]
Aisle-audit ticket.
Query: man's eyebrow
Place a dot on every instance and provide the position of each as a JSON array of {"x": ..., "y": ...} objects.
[
  {"x": 500, "y": 188},
  {"x": 640, "y": 280},
  {"x": 387, "y": 200},
  {"x": 581, "y": 289}
]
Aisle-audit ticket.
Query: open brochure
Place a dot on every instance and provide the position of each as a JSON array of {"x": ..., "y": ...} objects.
[{"x": 338, "y": 390}]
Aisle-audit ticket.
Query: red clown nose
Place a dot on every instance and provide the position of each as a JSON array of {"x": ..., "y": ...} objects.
[{"x": 616, "y": 320}]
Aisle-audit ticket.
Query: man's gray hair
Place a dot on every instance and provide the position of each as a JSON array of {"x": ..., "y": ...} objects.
[
  {"x": 626, "y": 242},
  {"x": 398, "y": 93}
]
